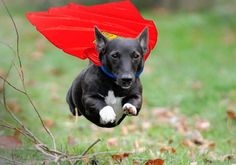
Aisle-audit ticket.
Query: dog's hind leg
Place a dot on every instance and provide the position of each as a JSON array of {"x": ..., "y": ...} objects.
[{"x": 71, "y": 104}]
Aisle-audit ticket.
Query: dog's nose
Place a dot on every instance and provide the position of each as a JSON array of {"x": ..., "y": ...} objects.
[{"x": 126, "y": 80}]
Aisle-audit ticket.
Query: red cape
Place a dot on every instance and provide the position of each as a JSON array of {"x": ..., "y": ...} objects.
[{"x": 71, "y": 27}]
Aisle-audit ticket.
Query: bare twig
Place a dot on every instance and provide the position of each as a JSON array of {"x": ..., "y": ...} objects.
[
  {"x": 22, "y": 74},
  {"x": 91, "y": 146},
  {"x": 14, "y": 52},
  {"x": 6, "y": 81},
  {"x": 58, "y": 156},
  {"x": 17, "y": 36},
  {"x": 26, "y": 132},
  {"x": 10, "y": 160},
  {"x": 5, "y": 102},
  {"x": 40, "y": 118},
  {"x": 29, "y": 137},
  {"x": 8, "y": 46}
]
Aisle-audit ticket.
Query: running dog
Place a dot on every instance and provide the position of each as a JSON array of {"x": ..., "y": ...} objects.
[{"x": 106, "y": 94}]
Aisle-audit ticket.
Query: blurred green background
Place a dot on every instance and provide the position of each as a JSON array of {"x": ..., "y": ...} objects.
[
  {"x": 185, "y": 5},
  {"x": 189, "y": 86}
]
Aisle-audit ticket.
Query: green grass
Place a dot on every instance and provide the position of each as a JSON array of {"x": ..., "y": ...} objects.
[{"x": 194, "y": 49}]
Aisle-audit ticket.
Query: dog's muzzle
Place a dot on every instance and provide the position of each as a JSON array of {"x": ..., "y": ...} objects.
[{"x": 125, "y": 80}]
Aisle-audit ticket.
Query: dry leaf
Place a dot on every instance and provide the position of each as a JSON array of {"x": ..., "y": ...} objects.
[
  {"x": 39, "y": 51},
  {"x": 204, "y": 144},
  {"x": 31, "y": 83},
  {"x": 40, "y": 44},
  {"x": 228, "y": 157},
  {"x": 231, "y": 114},
  {"x": 155, "y": 162},
  {"x": 197, "y": 85},
  {"x": 202, "y": 125},
  {"x": 112, "y": 142},
  {"x": 195, "y": 140},
  {"x": 137, "y": 144},
  {"x": 146, "y": 125},
  {"x": 196, "y": 137},
  {"x": 13, "y": 106},
  {"x": 138, "y": 147},
  {"x": 136, "y": 162},
  {"x": 124, "y": 130},
  {"x": 17, "y": 133},
  {"x": 163, "y": 114},
  {"x": 120, "y": 157},
  {"x": 170, "y": 141},
  {"x": 55, "y": 97},
  {"x": 210, "y": 144},
  {"x": 167, "y": 149},
  {"x": 10, "y": 142},
  {"x": 171, "y": 116},
  {"x": 37, "y": 55},
  {"x": 198, "y": 142},
  {"x": 188, "y": 143},
  {"x": 191, "y": 154},
  {"x": 132, "y": 127},
  {"x": 228, "y": 37},
  {"x": 49, "y": 123},
  {"x": 181, "y": 128},
  {"x": 56, "y": 72},
  {"x": 85, "y": 160}
]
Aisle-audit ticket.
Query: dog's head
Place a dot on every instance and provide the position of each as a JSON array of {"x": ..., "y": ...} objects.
[{"x": 123, "y": 57}]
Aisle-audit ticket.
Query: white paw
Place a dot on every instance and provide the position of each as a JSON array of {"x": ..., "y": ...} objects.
[
  {"x": 129, "y": 109},
  {"x": 107, "y": 115}
]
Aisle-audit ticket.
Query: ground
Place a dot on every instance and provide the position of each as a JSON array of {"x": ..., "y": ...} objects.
[{"x": 189, "y": 86}]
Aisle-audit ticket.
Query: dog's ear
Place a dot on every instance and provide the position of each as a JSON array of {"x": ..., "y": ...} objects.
[
  {"x": 143, "y": 39},
  {"x": 101, "y": 40}
]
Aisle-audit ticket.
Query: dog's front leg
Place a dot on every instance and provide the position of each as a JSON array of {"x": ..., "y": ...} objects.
[
  {"x": 97, "y": 109},
  {"x": 132, "y": 105}
]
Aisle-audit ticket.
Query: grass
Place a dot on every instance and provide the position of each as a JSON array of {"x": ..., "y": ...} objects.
[{"x": 192, "y": 68}]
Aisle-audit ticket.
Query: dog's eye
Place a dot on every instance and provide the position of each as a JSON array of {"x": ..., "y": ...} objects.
[
  {"x": 115, "y": 55},
  {"x": 136, "y": 56}
]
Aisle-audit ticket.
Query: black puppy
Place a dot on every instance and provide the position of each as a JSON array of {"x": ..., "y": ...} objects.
[{"x": 106, "y": 94}]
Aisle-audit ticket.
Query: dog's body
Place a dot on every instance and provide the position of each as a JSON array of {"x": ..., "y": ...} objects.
[
  {"x": 105, "y": 95},
  {"x": 92, "y": 91}
]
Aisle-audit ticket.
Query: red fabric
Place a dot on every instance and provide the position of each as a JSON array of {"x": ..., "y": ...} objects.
[{"x": 71, "y": 27}]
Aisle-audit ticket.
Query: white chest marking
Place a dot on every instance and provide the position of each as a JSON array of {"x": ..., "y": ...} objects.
[{"x": 115, "y": 103}]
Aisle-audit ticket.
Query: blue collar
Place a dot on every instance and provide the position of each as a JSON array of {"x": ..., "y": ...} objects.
[{"x": 109, "y": 74}]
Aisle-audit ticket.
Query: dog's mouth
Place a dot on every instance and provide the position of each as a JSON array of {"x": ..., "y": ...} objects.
[
  {"x": 124, "y": 83},
  {"x": 126, "y": 86}
]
